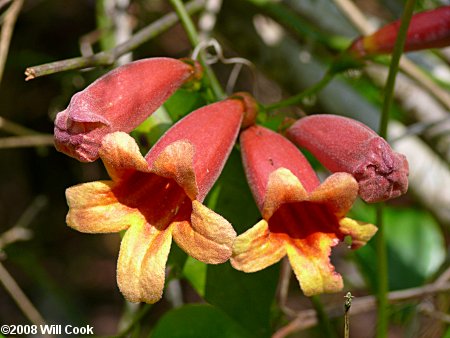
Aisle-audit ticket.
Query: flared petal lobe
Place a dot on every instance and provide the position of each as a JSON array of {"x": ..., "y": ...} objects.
[
  {"x": 303, "y": 219},
  {"x": 142, "y": 263},
  {"x": 345, "y": 145},
  {"x": 93, "y": 208},
  {"x": 257, "y": 248},
  {"x": 118, "y": 101},
  {"x": 430, "y": 29},
  {"x": 208, "y": 237}
]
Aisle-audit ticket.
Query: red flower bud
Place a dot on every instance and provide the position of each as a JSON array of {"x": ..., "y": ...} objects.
[
  {"x": 345, "y": 145},
  {"x": 430, "y": 29},
  {"x": 118, "y": 101}
]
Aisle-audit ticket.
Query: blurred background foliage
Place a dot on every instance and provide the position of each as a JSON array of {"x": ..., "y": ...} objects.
[{"x": 69, "y": 277}]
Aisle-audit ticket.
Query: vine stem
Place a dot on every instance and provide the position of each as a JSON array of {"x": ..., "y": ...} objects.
[
  {"x": 7, "y": 30},
  {"x": 193, "y": 36},
  {"x": 293, "y": 100},
  {"x": 107, "y": 58},
  {"x": 324, "y": 321},
  {"x": 383, "y": 281}
]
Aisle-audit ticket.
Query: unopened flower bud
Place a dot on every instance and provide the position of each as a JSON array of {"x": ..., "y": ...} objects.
[
  {"x": 118, "y": 101},
  {"x": 345, "y": 145},
  {"x": 430, "y": 29}
]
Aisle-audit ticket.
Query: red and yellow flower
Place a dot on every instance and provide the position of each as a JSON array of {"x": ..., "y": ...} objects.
[
  {"x": 302, "y": 218},
  {"x": 159, "y": 197}
]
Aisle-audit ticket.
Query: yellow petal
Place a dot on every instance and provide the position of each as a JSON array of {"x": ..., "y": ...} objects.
[
  {"x": 338, "y": 192},
  {"x": 142, "y": 262},
  {"x": 360, "y": 232},
  {"x": 283, "y": 187},
  {"x": 120, "y": 154},
  {"x": 257, "y": 249},
  {"x": 311, "y": 264},
  {"x": 93, "y": 208},
  {"x": 208, "y": 237},
  {"x": 176, "y": 161}
]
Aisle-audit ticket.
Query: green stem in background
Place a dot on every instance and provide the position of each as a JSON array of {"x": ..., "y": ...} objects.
[
  {"x": 383, "y": 281},
  {"x": 322, "y": 316},
  {"x": 293, "y": 100},
  {"x": 105, "y": 24},
  {"x": 135, "y": 321},
  {"x": 191, "y": 31}
]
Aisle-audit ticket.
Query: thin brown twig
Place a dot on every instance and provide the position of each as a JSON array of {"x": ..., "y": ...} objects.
[
  {"x": 19, "y": 231},
  {"x": 283, "y": 287},
  {"x": 15, "y": 128},
  {"x": 26, "y": 141},
  {"x": 107, "y": 58},
  {"x": 443, "y": 277},
  {"x": 308, "y": 318},
  {"x": 428, "y": 309},
  {"x": 20, "y": 298},
  {"x": 7, "y": 30},
  {"x": 4, "y": 3},
  {"x": 14, "y": 235}
]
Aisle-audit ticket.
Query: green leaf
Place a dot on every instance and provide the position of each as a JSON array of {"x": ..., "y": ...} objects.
[
  {"x": 149, "y": 131},
  {"x": 183, "y": 102},
  {"x": 195, "y": 272},
  {"x": 246, "y": 297},
  {"x": 415, "y": 243},
  {"x": 197, "y": 321},
  {"x": 447, "y": 334},
  {"x": 177, "y": 258},
  {"x": 231, "y": 196},
  {"x": 416, "y": 247}
]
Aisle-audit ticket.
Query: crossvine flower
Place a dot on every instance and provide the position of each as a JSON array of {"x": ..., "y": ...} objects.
[
  {"x": 302, "y": 218},
  {"x": 159, "y": 197}
]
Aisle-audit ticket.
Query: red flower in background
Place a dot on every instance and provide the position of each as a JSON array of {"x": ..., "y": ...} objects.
[
  {"x": 118, "y": 101},
  {"x": 302, "y": 218},
  {"x": 430, "y": 29},
  {"x": 342, "y": 144},
  {"x": 160, "y": 197}
]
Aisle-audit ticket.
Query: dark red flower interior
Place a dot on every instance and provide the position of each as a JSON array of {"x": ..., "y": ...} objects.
[
  {"x": 161, "y": 200},
  {"x": 300, "y": 220}
]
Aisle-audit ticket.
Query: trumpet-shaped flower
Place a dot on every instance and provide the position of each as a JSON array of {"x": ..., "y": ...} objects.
[
  {"x": 429, "y": 29},
  {"x": 342, "y": 144},
  {"x": 159, "y": 198},
  {"x": 302, "y": 218},
  {"x": 118, "y": 101}
]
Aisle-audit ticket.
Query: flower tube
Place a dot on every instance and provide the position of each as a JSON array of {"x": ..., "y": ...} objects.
[
  {"x": 159, "y": 198},
  {"x": 430, "y": 29},
  {"x": 302, "y": 218},
  {"x": 118, "y": 101},
  {"x": 342, "y": 144}
]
